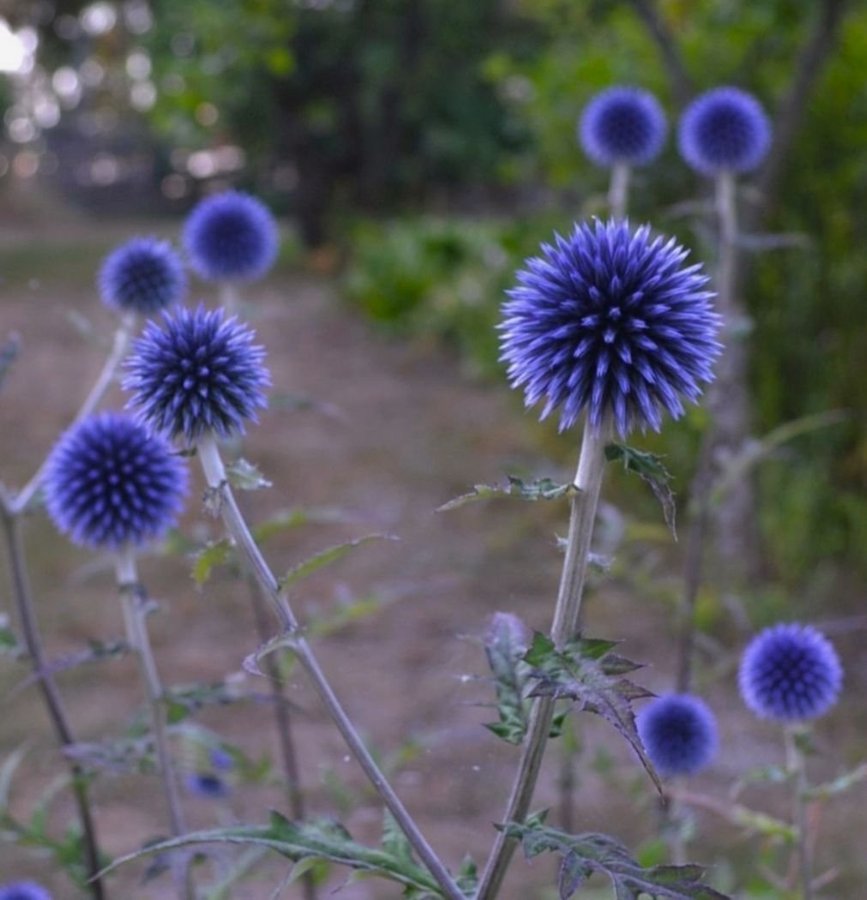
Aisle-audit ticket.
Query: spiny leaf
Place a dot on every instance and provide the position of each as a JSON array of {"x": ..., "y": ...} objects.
[
  {"x": 327, "y": 557},
  {"x": 183, "y": 701},
  {"x": 540, "y": 489},
  {"x": 649, "y": 467},
  {"x": 245, "y": 476},
  {"x": 585, "y": 854},
  {"x": 505, "y": 647},
  {"x": 213, "y": 554},
  {"x": 321, "y": 839},
  {"x": 587, "y": 672},
  {"x": 283, "y": 641}
]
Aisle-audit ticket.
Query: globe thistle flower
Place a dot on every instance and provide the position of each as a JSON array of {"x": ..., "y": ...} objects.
[
  {"x": 679, "y": 734},
  {"x": 611, "y": 321},
  {"x": 110, "y": 483},
  {"x": 622, "y": 125},
  {"x": 724, "y": 130},
  {"x": 143, "y": 276},
  {"x": 196, "y": 372},
  {"x": 231, "y": 237},
  {"x": 207, "y": 785},
  {"x": 23, "y": 890},
  {"x": 790, "y": 672}
]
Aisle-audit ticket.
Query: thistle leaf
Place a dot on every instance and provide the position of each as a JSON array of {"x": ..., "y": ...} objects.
[
  {"x": 649, "y": 468},
  {"x": 321, "y": 839},
  {"x": 213, "y": 554},
  {"x": 582, "y": 855},
  {"x": 540, "y": 489},
  {"x": 505, "y": 647},
  {"x": 588, "y": 673}
]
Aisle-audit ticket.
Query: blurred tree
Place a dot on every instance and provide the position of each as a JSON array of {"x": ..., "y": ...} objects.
[{"x": 373, "y": 101}]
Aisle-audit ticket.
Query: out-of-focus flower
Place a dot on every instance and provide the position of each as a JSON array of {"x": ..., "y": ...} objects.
[
  {"x": 143, "y": 276},
  {"x": 790, "y": 672},
  {"x": 679, "y": 733},
  {"x": 622, "y": 125}
]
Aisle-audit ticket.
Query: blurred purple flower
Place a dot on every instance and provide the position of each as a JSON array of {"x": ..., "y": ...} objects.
[{"x": 622, "y": 125}]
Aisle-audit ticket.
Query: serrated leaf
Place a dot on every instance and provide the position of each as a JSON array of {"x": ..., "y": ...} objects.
[
  {"x": 585, "y": 854},
  {"x": 329, "y": 556},
  {"x": 185, "y": 700},
  {"x": 505, "y": 647},
  {"x": 588, "y": 673},
  {"x": 322, "y": 839},
  {"x": 394, "y": 841},
  {"x": 213, "y": 554},
  {"x": 649, "y": 467},
  {"x": 245, "y": 476},
  {"x": 540, "y": 489}
]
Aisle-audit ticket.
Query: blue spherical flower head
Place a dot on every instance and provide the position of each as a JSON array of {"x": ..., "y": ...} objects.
[
  {"x": 207, "y": 785},
  {"x": 197, "y": 372},
  {"x": 110, "y": 483},
  {"x": 724, "y": 130},
  {"x": 622, "y": 125},
  {"x": 789, "y": 673},
  {"x": 610, "y": 320},
  {"x": 231, "y": 237},
  {"x": 23, "y": 890},
  {"x": 679, "y": 734},
  {"x": 143, "y": 276}
]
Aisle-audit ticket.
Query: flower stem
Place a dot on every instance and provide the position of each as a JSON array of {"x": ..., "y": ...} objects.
[
  {"x": 135, "y": 609},
  {"x": 236, "y": 526},
  {"x": 588, "y": 480},
  {"x": 796, "y": 764},
  {"x": 48, "y": 687},
  {"x": 618, "y": 191},
  {"x": 25, "y": 496},
  {"x": 283, "y": 723}
]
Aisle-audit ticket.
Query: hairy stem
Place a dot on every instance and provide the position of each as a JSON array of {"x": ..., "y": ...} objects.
[
  {"x": 237, "y": 527},
  {"x": 118, "y": 349},
  {"x": 796, "y": 764},
  {"x": 48, "y": 688},
  {"x": 618, "y": 191},
  {"x": 135, "y": 609},
  {"x": 588, "y": 480},
  {"x": 283, "y": 724}
]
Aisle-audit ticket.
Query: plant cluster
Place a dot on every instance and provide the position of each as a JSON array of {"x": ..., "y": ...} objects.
[{"x": 611, "y": 326}]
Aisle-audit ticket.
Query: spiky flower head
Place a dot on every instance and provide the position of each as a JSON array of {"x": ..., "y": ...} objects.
[
  {"x": 231, "y": 237},
  {"x": 679, "y": 733},
  {"x": 23, "y": 890},
  {"x": 725, "y": 129},
  {"x": 143, "y": 276},
  {"x": 196, "y": 372},
  {"x": 622, "y": 125},
  {"x": 610, "y": 320},
  {"x": 790, "y": 672},
  {"x": 109, "y": 482}
]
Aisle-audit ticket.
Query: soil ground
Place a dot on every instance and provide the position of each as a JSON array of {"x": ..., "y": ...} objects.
[{"x": 396, "y": 430}]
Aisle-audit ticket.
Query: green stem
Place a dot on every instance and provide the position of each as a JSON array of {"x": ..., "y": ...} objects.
[
  {"x": 796, "y": 764},
  {"x": 48, "y": 688},
  {"x": 135, "y": 609},
  {"x": 618, "y": 191},
  {"x": 588, "y": 480},
  {"x": 215, "y": 474}
]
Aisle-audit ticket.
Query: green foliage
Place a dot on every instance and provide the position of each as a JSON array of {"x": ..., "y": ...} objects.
[
  {"x": 583, "y": 855},
  {"x": 318, "y": 840},
  {"x": 588, "y": 673},
  {"x": 538, "y": 489},
  {"x": 649, "y": 468},
  {"x": 505, "y": 646}
]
